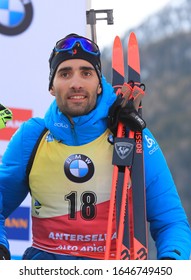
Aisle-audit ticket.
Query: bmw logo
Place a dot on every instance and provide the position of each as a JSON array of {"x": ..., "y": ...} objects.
[
  {"x": 15, "y": 16},
  {"x": 78, "y": 168}
]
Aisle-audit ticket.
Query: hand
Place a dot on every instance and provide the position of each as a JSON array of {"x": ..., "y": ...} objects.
[
  {"x": 5, "y": 115},
  {"x": 129, "y": 116},
  {"x": 125, "y": 108},
  {"x": 4, "y": 253}
]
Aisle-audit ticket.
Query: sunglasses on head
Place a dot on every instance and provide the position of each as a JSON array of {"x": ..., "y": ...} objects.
[{"x": 69, "y": 42}]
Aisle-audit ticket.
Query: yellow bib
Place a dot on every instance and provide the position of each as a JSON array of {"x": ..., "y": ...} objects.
[{"x": 70, "y": 188}]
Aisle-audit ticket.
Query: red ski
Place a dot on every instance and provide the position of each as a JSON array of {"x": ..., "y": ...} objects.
[
  {"x": 131, "y": 232},
  {"x": 137, "y": 174}
]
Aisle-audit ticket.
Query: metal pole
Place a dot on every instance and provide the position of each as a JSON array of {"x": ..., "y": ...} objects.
[{"x": 91, "y": 19}]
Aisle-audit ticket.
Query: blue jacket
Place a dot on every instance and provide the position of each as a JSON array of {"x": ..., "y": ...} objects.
[{"x": 168, "y": 222}]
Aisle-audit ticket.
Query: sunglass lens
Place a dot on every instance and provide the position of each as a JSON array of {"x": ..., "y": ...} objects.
[
  {"x": 68, "y": 43},
  {"x": 65, "y": 44},
  {"x": 88, "y": 45}
]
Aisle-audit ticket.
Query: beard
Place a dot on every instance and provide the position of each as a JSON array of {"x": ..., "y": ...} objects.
[{"x": 76, "y": 103}]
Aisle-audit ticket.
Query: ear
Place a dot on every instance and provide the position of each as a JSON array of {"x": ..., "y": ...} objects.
[
  {"x": 52, "y": 92},
  {"x": 99, "y": 89}
]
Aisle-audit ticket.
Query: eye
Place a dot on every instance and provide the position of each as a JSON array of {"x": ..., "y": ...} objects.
[
  {"x": 64, "y": 74},
  {"x": 87, "y": 73}
]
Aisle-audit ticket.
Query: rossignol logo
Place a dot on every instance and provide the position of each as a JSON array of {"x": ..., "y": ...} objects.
[
  {"x": 78, "y": 168},
  {"x": 139, "y": 144},
  {"x": 123, "y": 149},
  {"x": 15, "y": 16}
]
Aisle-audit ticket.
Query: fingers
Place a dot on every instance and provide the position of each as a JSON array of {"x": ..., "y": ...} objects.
[
  {"x": 126, "y": 92},
  {"x": 134, "y": 92}
]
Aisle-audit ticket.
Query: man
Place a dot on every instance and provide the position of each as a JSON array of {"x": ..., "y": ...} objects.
[{"x": 64, "y": 160}]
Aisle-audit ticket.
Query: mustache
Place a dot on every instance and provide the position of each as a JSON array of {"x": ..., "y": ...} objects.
[{"x": 78, "y": 91}]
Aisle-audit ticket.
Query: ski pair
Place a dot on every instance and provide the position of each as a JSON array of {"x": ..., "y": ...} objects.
[{"x": 127, "y": 201}]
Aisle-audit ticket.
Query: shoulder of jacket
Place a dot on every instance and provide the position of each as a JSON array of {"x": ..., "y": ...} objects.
[{"x": 28, "y": 134}]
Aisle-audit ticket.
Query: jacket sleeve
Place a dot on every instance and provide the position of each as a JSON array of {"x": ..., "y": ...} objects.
[
  {"x": 13, "y": 181},
  {"x": 169, "y": 225}
]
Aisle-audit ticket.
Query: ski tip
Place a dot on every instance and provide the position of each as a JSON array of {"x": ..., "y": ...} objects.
[
  {"x": 117, "y": 57},
  {"x": 117, "y": 45},
  {"x": 132, "y": 37},
  {"x": 133, "y": 58},
  {"x": 132, "y": 33},
  {"x": 117, "y": 37},
  {"x": 117, "y": 41}
]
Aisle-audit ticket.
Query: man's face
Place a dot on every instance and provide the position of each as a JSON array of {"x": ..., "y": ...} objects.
[{"x": 75, "y": 87}]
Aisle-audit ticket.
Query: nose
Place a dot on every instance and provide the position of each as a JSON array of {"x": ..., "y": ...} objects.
[{"x": 76, "y": 82}]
